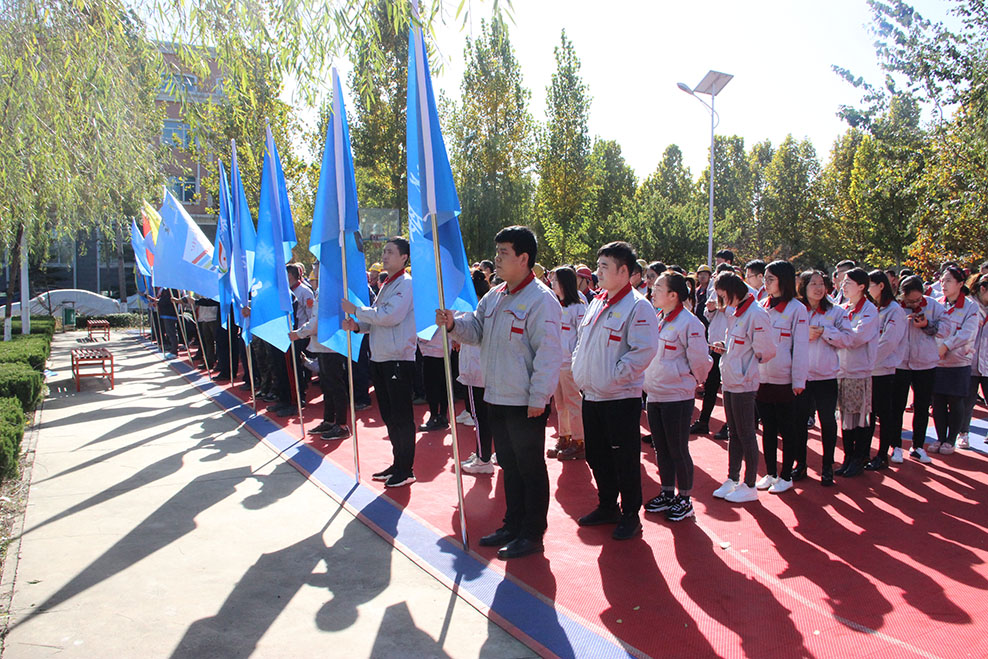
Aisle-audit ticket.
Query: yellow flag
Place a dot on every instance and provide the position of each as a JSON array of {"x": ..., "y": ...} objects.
[{"x": 152, "y": 221}]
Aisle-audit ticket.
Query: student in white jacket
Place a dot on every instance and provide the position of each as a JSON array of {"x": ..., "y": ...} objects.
[
  {"x": 569, "y": 402},
  {"x": 955, "y": 345},
  {"x": 681, "y": 363},
  {"x": 892, "y": 326},
  {"x": 979, "y": 364}
]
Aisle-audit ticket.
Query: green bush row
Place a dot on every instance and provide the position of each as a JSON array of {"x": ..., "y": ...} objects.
[
  {"x": 39, "y": 325},
  {"x": 21, "y": 381},
  {"x": 11, "y": 433},
  {"x": 115, "y": 320},
  {"x": 32, "y": 349}
]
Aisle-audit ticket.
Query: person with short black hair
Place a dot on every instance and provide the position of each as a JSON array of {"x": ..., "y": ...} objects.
[
  {"x": 892, "y": 327},
  {"x": 839, "y": 274},
  {"x": 487, "y": 267},
  {"x": 754, "y": 276},
  {"x": 615, "y": 344},
  {"x": 724, "y": 256}
]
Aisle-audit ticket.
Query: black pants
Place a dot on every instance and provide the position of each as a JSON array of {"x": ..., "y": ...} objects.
[
  {"x": 361, "y": 373},
  {"x": 170, "y": 328},
  {"x": 819, "y": 395},
  {"x": 481, "y": 413},
  {"x": 883, "y": 410},
  {"x": 209, "y": 329},
  {"x": 334, "y": 386},
  {"x": 519, "y": 441},
  {"x": 434, "y": 376},
  {"x": 613, "y": 450},
  {"x": 393, "y": 384},
  {"x": 777, "y": 420},
  {"x": 857, "y": 443},
  {"x": 948, "y": 416},
  {"x": 710, "y": 388},
  {"x": 922, "y": 386},
  {"x": 670, "y": 424}
]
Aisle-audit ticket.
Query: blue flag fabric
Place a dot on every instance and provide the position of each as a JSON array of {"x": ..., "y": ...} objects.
[
  {"x": 431, "y": 191},
  {"x": 140, "y": 250},
  {"x": 243, "y": 244},
  {"x": 222, "y": 243},
  {"x": 183, "y": 255},
  {"x": 271, "y": 304},
  {"x": 335, "y": 227}
]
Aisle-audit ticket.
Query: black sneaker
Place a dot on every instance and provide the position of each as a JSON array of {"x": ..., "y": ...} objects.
[
  {"x": 435, "y": 423},
  {"x": 700, "y": 428},
  {"x": 322, "y": 427},
  {"x": 723, "y": 433},
  {"x": 647, "y": 439},
  {"x": 660, "y": 503},
  {"x": 680, "y": 510},
  {"x": 398, "y": 480},
  {"x": 600, "y": 516},
  {"x": 337, "y": 432},
  {"x": 627, "y": 528},
  {"x": 384, "y": 475},
  {"x": 877, "y": 462},
  {"x": 360, "y": 407}
]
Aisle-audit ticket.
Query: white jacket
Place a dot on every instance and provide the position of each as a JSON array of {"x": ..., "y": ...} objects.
[
  {"x": 980, "y": 361},
  {"x": 957, "y": 331},
  {"x": 391, "y": 321},
  {"x": 921, "y": 354},
  {"x": 683, "y": 359},
  {"x": 749, "y": 343},
  {"x": 790, "y": 331},
  {"x": 858, "y": 345},
  {"x": 571, "y": 319},
  {"x": 824, "y": 359},
  {"x": 892, "y": 327}
]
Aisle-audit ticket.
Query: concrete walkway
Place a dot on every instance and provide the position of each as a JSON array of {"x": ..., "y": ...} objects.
[{"x": 156, "y": 527}]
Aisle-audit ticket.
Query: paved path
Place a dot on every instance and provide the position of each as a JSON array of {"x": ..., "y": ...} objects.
[{"x": 156, "y": 527}]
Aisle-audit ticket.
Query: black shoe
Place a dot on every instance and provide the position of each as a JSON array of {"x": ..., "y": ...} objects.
[
  {"x": 384, "y": 475},
  {"x": 274, "y": 408},
  {"x": 723, "y": 433},
  {"x": 681, "y": 509},
  {"x": 419, "y": 400},
  {"x": 827, "y": 478},
  {"x": 798, "y": 474},
  {"x": 600, "y": 516},
  {"x": 839, "y": 471},
  {"x": 287, "y": 410},
  {"x": 877, "y": 462},
  {"x": 856, "y": 468},
  {"x": 647, "y": 439},
  {"x": 627, "y": 528},
  {"x": 399, "y": 480},
  {"x": 336, "y": 432},
  {"x": 520, "y": 547},
  {"x": 322, "y": 427},
  {"x": 700, "y": 428},
  {"x": 360, "y": 407},
  {"x": 499, "y": 538},
  {"x": 435, "y": 423},
  {"x": 661, "y": 503}
]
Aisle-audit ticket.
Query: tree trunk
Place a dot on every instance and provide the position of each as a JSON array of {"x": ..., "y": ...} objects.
[{"x": 15, "y": 270}]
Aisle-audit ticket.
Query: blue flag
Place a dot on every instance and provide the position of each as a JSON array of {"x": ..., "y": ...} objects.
[
  {"x": 271, "y": 304},
  {"x": 183, "y": 256},
  {"x": 431, "y": 192},
  {"x": 335, "y": 228},
  {"x": 222, "y": 243},
  {"x": 243, "y": 243},
  {"x": 140, "y": 250}
]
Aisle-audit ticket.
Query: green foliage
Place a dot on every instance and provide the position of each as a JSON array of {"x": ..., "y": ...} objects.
[
  {"x": 11, "y": 433},
  {"x": 790, "y": 216},
  {"x": 39, "y": 325},
  {"x": 21, "y": 381},
  {"x": 31, "y": 349}
]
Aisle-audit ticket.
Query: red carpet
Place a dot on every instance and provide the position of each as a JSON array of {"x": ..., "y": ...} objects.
[{"x": 889, "y": 564}]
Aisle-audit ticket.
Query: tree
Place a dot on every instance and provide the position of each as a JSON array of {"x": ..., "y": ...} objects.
[
  {"x": 613, "y": 184},
  {"x": 491, "y": 141},
  {"x": 790, "y": 203},
  {"x": 671, "y": 179},
  {"x": 564, "y": 196},
  {"x": 732, "y": 190}
]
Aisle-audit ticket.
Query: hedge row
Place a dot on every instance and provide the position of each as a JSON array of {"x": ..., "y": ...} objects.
[
  {"x": 11, "y": 433},
  {"x": 115, "y": 320},
  {"x": 32, "y": 349},
  {"x": 18, "y": 380},
  {"x": 39, "y": 325}
]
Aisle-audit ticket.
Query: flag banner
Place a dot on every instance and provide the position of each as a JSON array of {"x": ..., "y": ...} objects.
[
  {"x": 140, "y": 251},
  {"x": 222, "y": 251},
  {"x": 150, "y": 223},
  {"x": 431, "y": 192},
  {"x": 242, "y": 245},
  {"x": 271, "y": 304},
  {"x": 335, "y": 228},
  {"x": 184, "y": 254}
]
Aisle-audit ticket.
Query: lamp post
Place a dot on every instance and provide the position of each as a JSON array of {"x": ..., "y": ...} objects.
[{"x": 711, "y": 84}]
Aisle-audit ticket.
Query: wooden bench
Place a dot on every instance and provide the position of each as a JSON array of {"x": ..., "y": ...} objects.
[
  {"x": 98, "y": 327},
  {"x": 100, "y": 357}
]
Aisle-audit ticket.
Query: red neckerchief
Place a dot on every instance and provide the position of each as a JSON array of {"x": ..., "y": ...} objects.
[
  {"x": 768, "y": 304},
  {"x": 671, "y": 317},
  {"x": 857, "y": 307},
  {"x": 524, "y": 282},
  {"x": 957, "y": 305},
  {"x": 608, "y": 301},
  {"x": 391, "y": 278},
  {"x": 761, "y": 292},
  {"x": 744, "y": 305}
]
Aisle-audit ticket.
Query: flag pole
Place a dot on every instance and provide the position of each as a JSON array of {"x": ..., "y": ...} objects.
[
  {"x": 447, "y": 363},
  {"x": 202, "y": 344},
  {"x": 250, "y": 375},
  {"x": 298, "y": 387},
  {"x": 229, "y": 342},
  {"x": 156, "y": 317},
  {"x": 349, "y": 371}
]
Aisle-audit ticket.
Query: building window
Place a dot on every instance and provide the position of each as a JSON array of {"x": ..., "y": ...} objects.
[
  {"x": 183, "y": 187},
  {"x": 179, "y": 82},
  {"x": 175, "y": 133}
]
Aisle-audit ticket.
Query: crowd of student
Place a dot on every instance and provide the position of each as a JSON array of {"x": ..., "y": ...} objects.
[{"x": 784, "y": 348}]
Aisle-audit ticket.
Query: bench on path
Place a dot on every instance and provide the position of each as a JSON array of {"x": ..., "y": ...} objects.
[
  {"x": 100, "y": 357},
  {"x": 98, "y": 327}
]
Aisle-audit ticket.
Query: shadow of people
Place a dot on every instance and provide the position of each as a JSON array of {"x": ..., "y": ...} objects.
[{"x": 279, "y": 484}]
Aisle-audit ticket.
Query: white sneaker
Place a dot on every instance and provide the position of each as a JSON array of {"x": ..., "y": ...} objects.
[
  {"x": 963, "y": 440},
  {"x": 780, "y": 486},
  {"x": 494, "y": 458},
  {"x": 479, "y": 467},
  {"x": 725, "y": 489},
  {"x": 742, "y": 494},
  {"x": 766, "y": 482},
  {"x": 463, "y": 416},
  {"x": 469, "y": 461},
  {"x": 932, "y": 447},
  {"x": 920, "y": 454},
  {"x": 946, "y": 449},
  {"x": 468, "y": 422},
  {"x": 896, "y": 456}
]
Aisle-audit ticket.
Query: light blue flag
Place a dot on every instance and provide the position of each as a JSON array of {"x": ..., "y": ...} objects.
[
  {"x": 244, "y": 240},
  {"x": 271, "y": 304},
  {"x": 431, "y": 192},
  {"x": 183, "y": 256},
  {"x": 140, "y": 250},
  {"x": 222, "y": 243},
  {"x": 335, "y": 225}
]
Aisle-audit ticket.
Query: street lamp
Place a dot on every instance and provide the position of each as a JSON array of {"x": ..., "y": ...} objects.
[{"x": 711, "y": 84}]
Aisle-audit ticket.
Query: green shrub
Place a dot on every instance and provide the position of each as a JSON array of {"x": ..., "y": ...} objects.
[
  {"x": 30, "y": 349},
  {"x": 116, "y": 320},
  {"x": 11, "y": 433},
  {"x": 39, "y": 325},
  {"x": 20, "y": 381}
]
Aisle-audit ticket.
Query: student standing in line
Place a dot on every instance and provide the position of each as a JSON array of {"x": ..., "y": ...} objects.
[
  {"x": 517, "y": 327},
  {"x": 434, "y": 379},
  {"x": 858, "y": 348},
  {"x": 979, "y": 363},
  {"x": 715, "y": 312},
  {"x": 783, "y": 377},
  {"x": 472, "y": 376},
  {"x": 569, "y": 402},
  {"x": 391, "y": 325},
  {"x": 919, "y": 367},
  {"x": 682, "y": 362},
  {"x": 615, "y": 344},
  {"x": 825, "y": 319},
  {"x": 892, "y": 327},
  {"x": 955, "y": 345},
  {"x": 748, "y": 343}
]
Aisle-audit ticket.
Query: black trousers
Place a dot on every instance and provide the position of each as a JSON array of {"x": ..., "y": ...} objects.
[
  {"x": 334, "y": 386},
  {"x": 777, "y": 420},
  {"x": 883, "y": 410},
  {"x": 948, "y": 416},
  {"x": 434, "y": 376},
  {"x": 670, "y": 424},
  {"x": 361, "y": 373},
  {"x": 922, "y": 386},
  {"x": 393, "y": 385},
  {"x": 519, "y": 442},
  {"x": 819, "y": 395},
  {"x": 613, "y": 450},
  {"x": 209, "y": 329},
  {"x": 710, "y": 388},
  {"x": 481, "y": 413}
]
